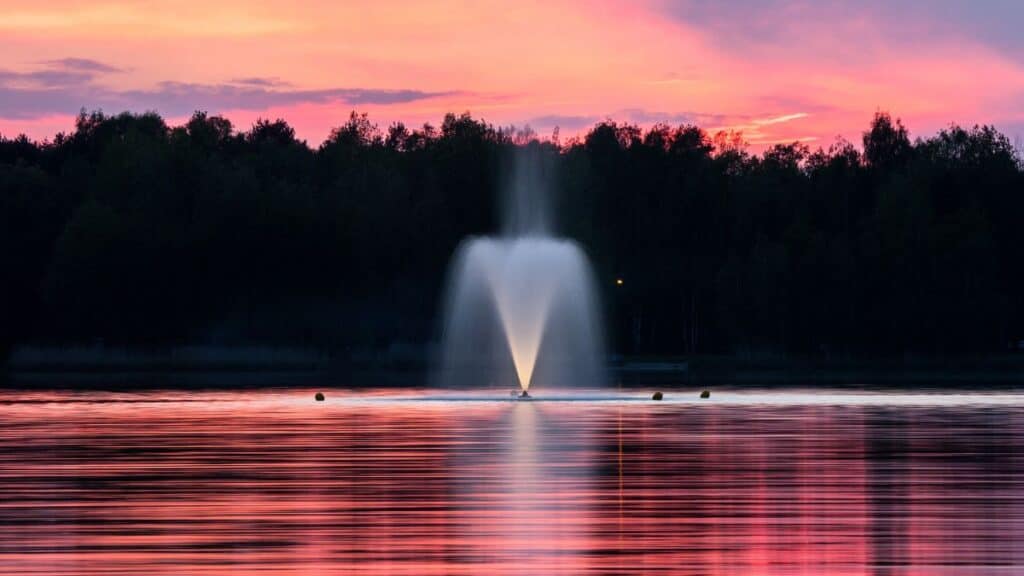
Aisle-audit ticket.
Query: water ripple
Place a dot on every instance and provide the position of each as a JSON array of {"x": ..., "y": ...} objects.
[{"x": 780, "y": 483}]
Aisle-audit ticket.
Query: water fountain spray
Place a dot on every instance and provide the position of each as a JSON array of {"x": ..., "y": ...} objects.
[{"x": 522, "y": 305}]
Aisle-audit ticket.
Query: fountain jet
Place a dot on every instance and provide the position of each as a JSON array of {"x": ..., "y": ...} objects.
[{"x": 523, "y": 304}]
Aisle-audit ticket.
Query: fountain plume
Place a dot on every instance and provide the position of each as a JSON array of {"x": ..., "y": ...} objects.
[{"x": 522, "y": 304}]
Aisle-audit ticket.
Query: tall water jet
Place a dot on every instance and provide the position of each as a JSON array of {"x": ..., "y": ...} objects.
[{"x": 521, "y": 307}]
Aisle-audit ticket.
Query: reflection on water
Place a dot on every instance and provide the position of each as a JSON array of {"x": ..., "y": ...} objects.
[{"x": 272, "y": 482}]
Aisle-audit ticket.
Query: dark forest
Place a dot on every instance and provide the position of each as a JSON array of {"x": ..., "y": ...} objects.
[{"x": 131, "y": 232}]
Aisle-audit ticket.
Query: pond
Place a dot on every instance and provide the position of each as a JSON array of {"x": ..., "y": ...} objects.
[{"x": 420, "y": 482}]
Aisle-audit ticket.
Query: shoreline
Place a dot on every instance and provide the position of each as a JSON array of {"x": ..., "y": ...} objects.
[{"x": 245, "y": 366}]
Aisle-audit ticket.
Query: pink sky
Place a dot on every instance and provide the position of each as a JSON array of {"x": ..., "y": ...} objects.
[{"x": 779, "y": 70}]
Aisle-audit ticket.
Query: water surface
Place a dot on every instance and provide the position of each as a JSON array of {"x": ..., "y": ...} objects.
[{"x": 420, "y": 483}]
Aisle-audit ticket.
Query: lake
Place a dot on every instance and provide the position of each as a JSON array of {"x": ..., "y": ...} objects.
[{"x": 421, "y": 482}]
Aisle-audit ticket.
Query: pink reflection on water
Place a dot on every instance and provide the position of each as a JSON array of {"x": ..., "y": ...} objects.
[{"x": 219, "y": 483}]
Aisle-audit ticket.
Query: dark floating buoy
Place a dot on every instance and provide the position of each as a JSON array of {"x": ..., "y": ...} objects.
[
  {"x": 524, "y": 395},
  {"x": 705, "y": 394},
  {"x": 657, "y": 396},
  {"x": 319, "y": 396}
]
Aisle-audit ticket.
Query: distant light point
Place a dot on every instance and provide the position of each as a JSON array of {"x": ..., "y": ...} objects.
[{"x": 618, "y": 281}]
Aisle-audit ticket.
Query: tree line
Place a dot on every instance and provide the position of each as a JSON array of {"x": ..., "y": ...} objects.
[{"x": 130, "y": 231}]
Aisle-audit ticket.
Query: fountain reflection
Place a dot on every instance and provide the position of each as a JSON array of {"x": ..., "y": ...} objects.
[{"x": 536, "y": 516}]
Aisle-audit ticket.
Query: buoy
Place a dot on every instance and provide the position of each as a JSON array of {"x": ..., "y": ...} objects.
[
  {"x": 657, "y": 396},
  {"x": 319, "y": 396},
  {"x": 705, "y": 394}
]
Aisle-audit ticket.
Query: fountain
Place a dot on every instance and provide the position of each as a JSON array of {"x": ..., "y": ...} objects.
[{"x": 521, "y": 307}]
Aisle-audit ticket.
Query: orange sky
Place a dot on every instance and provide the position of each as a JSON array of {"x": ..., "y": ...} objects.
[{"x": 778, "y": 70}]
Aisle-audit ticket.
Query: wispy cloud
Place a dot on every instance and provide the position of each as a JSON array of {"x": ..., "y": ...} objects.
[
  {"x": 564, "y": 121},
  {"x": 42, "y": 79},
  {"x": 82, "y": 65},
  {"x": 853, "y": 27},
  {"x": 779, "y": 119},
  {"x": 61, "y": 73},
  {"x": 800, "y": 139},
  {"x": 65, "y": 86},
  {"x": 804, "y": 103},
  {"x": 176, "y": 98},
  {"x": 261, "y": 81},
  {"x": 759, "y": 130},
  {"x": 121, "y": 20},
  {"x": 642, "y": 116},
  {"x": 574, "y": 122}
]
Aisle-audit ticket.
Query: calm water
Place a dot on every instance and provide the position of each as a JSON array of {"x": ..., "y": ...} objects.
[{"x": 270, "y": 482}]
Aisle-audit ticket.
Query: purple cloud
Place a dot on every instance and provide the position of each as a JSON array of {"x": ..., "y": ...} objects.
[
  {"x": 572, "y": 122},
  {"x": 66, "y": 72},
  {"x": 745, "y": 24},
  {"x": 564, "y": 121},
  {"x": 66, "y": 86},
  {"x": 261, "y": 81},
  {"x": 787, "y": 103},
  {"x": 178, "y": 98},
  {"x": 43, "y": 79},
  {"x": 641, "y": 116},
  {"x": 82, "y": 65}
]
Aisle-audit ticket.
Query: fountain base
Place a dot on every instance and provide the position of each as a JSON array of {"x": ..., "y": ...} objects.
[
  {"x": 521, "y": 310},
  {"x": 524, "y": 396}
]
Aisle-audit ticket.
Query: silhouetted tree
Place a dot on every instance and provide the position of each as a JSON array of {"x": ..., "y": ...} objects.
[
  {"x": 886, "y": 143},
  {"x": 134, "y": 232}
]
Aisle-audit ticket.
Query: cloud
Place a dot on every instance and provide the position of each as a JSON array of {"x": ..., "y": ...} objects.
[
  {"x": 82, "y": 65},
  {"x": 779, "y": 119},
  {"x": 574, "y": 123},
  {"x": 68, "y": 85},
  {"x": 641, "y": 116},
  {"x": 796, "y": 139},
  {"x": 853, "y": 27},
  {"x": 117, "y": 20},
  {"x": 43, "y": 79},
  {"x": 177, "y": 98},
  {"x": 564, "y": 121},
  {"x": 794, "y": 102},
  {"x": 261, "y": 81},
  {"x": 66, "y": 72}
]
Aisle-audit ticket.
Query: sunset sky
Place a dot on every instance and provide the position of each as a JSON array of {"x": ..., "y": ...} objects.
[{"x": 778, "y": 70}]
